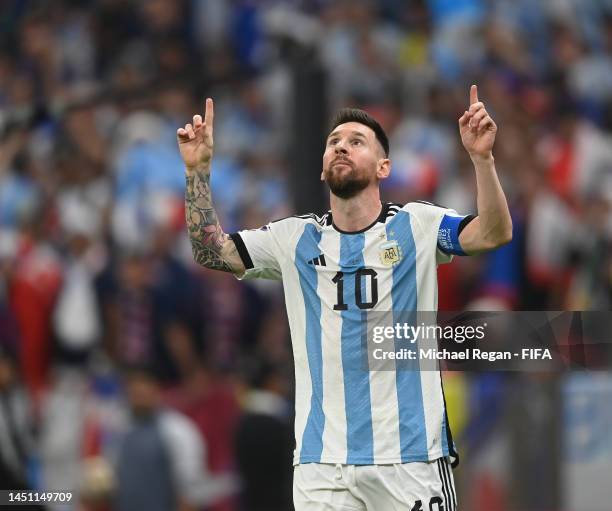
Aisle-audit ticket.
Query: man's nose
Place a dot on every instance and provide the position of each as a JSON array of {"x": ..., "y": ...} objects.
[{"x": 340, "y": 148}]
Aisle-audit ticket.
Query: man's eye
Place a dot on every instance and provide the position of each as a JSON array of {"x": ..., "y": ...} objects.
[
  {"x": 332, "y": 141},
  {"x": 356, "y": 141}
]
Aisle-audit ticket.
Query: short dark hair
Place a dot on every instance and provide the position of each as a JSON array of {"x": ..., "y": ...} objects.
[{"x": 356, "y": 115}]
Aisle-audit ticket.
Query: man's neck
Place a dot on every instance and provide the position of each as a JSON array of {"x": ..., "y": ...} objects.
[{"x": 356, "y": 213}]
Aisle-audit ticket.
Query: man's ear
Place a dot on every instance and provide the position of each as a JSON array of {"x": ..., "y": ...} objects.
[{"x": 384, "y": 168}]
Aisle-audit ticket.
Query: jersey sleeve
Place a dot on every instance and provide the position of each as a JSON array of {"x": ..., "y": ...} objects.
[
  {"x": 449, "y": 229},
  {"x": 442, "y": 226},
  {"x": 260, "y": 253}
]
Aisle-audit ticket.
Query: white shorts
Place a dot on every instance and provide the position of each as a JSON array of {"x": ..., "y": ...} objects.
[{"x": 416, "y": 486}]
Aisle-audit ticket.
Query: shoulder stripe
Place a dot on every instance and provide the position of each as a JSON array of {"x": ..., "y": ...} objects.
[
  {"x": 428, "y": 203},
  {"x": 321, "y": 220},
  {"x": 389, "y": 210}
]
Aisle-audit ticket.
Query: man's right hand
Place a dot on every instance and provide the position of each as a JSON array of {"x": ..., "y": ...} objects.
[{"x": 196, "y": 140}]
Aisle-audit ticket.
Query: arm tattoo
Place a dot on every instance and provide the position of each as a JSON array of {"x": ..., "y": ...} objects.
[{"x": 205, "y": 232}]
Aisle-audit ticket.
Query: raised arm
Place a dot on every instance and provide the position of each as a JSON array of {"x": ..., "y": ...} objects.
[
  {"x": 211, "y": 247},
  {"x": 493, "y": 225}
]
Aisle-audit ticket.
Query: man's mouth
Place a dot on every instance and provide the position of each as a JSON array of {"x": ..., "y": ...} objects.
[{"x": 341, "y": 162}]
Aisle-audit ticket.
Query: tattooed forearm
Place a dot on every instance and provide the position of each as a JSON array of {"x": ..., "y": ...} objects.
[
  {"x": 208, "y": 256},
  {"x": 209, "y": 243}
]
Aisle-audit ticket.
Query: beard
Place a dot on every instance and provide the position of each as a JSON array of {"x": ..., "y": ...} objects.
[{"x": 345, "y": 185}]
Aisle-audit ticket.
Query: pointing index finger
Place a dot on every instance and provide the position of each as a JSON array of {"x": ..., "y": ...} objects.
[
  {"x": 473, "y": 94},
  {"x": 209, "y": 114}
]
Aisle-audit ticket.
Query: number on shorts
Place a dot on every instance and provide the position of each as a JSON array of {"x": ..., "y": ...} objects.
[
  {"x": 418, "y": 505},
  {"x": 438, "y": 501}
]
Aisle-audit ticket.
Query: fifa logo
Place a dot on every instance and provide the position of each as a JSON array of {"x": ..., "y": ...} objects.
[{"x": 390, "y": 253}]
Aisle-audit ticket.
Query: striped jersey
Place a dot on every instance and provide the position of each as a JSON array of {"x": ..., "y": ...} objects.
[{"x": 333, "y": 280}]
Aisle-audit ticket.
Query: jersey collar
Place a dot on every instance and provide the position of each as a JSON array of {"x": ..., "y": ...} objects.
[{"x": 381, "y": 218}]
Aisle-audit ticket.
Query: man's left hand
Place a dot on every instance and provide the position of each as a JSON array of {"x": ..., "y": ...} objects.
[{"x": 477, "y": 128}]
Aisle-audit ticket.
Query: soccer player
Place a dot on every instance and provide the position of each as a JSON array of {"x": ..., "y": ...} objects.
[{"x": 365, "y": 440}]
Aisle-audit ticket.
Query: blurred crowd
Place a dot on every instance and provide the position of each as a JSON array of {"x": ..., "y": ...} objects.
[{"x": 121, "y": 361}]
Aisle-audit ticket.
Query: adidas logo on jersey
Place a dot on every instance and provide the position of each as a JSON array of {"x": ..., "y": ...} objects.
[{"x": 318, "y": 261}]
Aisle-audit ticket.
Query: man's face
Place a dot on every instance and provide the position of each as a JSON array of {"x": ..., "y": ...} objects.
[
  {"x": 352, "y": 159},
  {"x": 142, "y": 394}
]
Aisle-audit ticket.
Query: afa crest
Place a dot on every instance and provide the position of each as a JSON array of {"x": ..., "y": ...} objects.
[{"x": 390, "y": 253}]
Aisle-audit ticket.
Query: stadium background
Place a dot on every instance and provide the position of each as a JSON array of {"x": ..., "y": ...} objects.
[{"x": 96, "y": 270}]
